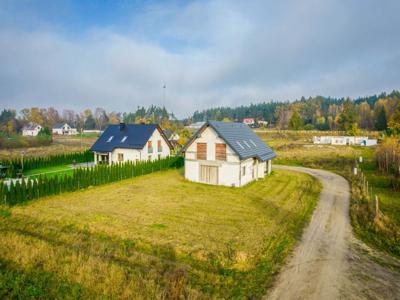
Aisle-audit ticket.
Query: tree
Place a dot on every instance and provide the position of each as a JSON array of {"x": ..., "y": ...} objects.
[
  {"x": 348, "y": 117},
  {"x": 295, "y": 122},
  {"x": 380, "y": 121},
  {"x": 394, "y": 122},
  {"x": 90, "y": 123}
]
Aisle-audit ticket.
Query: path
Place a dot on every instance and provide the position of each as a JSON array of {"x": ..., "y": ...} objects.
[{"x": 328, "y": 262}]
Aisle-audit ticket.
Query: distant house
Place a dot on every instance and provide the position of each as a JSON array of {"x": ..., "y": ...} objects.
[
  {"x": 64, "y": 129},
  {"x": 196, "y": 125},
  {"x": 130, "y": 142},
  {"x": 171, "y": 135},
  {"x": 249, "y": 121},
  {"x": 229, "y": 154},
  {"x": 31, "y": 129},
  {"x": 344, "y": 140}
]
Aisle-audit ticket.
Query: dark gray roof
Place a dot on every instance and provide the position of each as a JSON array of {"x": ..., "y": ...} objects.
[
  {"x": 130, "y": 136},
  {"x": 241, "y": 139},
  {"x": 60, "y": 125},
  {"x": 30, "y": 126}
]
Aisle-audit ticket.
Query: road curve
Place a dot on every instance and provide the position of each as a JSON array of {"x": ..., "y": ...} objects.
[
  {"x": 316, "y": 269},
  {"x": 328, "y": 262}
]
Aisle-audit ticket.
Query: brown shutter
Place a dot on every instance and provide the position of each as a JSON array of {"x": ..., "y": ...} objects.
[
  {"x": 220, "y": 151},
  {"x": 202, "y": 151}
]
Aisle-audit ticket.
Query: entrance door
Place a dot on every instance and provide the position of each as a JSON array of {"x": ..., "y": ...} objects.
[{"x": 209, "y": 174}]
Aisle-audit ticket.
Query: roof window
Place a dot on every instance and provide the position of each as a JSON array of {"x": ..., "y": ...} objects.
[
  {"x": 247, "y": 144},
  {"x": 124, "y": 139},
  {"x": 254, "y": 144},
  {"x": 110, "y": 139},
  {"x": 241, "y": 146}
]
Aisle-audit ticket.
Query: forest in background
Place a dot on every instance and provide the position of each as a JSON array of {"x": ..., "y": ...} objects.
[{"x": 377, "y": 112}]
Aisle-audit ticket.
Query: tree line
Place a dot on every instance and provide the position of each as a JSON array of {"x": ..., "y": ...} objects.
[
  {"x": 30, "y": 189},
  {"x": 377, "y": 112},
  {"x": 24, "y": 164}
]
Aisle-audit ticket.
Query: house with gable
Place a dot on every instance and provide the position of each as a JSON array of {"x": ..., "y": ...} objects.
[
  {"x": 130, "y": 142},
  {"x": 228, "y": 154}
]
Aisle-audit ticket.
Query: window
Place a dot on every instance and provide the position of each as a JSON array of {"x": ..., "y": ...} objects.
[
  {"x": 220, "y": 151},
  {"x": 120, "y": 157},
  {"x": 159, "y": 146},
  {"x": 241, "y": 146},
  {"x": 254, "y": 144},
  {"x": 149, "y": 147},
  {"x": 110, "y": 139},
  {"x": 247, "y": 144},
  {"x": 243, "y": 170},
  {"x": 202, "y": 151},
  {"x": 124, "y": 139}
]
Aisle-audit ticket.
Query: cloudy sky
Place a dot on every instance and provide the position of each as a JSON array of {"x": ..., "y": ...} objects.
[{"x": 118, "y": 54}]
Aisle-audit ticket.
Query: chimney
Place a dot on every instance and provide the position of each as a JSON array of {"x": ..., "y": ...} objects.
[{"x": 122, "y": 126}]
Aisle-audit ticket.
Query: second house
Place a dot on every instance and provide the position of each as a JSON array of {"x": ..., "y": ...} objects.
[{"x": 130, "y": 142}]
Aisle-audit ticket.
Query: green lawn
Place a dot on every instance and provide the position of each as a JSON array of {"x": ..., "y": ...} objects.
[
  {"x": 50, "y": 171},
  {"x": 155, "y": 236}
]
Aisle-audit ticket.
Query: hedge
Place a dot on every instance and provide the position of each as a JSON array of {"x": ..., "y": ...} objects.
[
  {"x": 30, "y": 189},
  {"x": 14, "y": 165}
]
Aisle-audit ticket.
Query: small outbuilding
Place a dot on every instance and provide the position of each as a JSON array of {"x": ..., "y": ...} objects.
[
  {"x": 131, "y": 142},
  {"x": 228, "y": 154}
]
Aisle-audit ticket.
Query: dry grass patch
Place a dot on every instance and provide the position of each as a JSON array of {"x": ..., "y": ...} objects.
[{"x": 156, "y": 236}]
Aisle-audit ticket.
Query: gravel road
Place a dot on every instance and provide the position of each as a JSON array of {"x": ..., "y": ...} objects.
[{"x": 328, "y": 262}]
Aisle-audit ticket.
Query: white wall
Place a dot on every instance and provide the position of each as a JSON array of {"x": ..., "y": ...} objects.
[
  {"x": 33, "y": 132},
  {"x": 229, "y": 171}
]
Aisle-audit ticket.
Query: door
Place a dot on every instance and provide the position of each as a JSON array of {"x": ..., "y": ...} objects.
[{"x": 209, "y": 174}]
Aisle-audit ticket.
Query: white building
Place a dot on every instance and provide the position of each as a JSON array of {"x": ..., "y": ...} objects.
[
  {"x": 344, "y": 140},
  {"x": 228, "y": 154},
  {"x": 249, "y": 121},
  {"x": 64, "y": 129},
  {"x": 196, "y": 125},
  {"x": 131, "y": 142},
  {"x": 31, "y": 129}
]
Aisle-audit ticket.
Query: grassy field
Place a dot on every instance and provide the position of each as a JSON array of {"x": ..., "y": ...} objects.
[
  {"x": 60, "y": 144},
  {"x": 296, "y": 148},
  {"x": 156, "y": 236},
  {"x": 50, "y": 171}
]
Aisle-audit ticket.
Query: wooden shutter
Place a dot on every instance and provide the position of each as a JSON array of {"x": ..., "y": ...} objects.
[
  {"x": 202, "y": 151},
  {"x": 220, "y": 151}
]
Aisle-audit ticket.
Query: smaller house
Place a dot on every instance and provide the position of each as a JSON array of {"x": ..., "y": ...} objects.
[
  {"x": 31, "y": 129},
  {"x": 249, "y": 121},
  {"x": 171, "y": 135},
  {"x": 195, "y": 126},
  {"x": 64, "y": 129},
  {"x": 131, "y": 142},
  {"x": 229, "y": 154}
]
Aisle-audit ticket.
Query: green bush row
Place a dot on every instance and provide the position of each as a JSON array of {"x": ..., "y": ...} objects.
[
  {"x": 15, "y": 165},
  {"x": 29, "y": 189}
]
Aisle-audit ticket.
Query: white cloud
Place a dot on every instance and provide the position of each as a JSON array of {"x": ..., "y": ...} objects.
[{"x": 208, "y": 54}]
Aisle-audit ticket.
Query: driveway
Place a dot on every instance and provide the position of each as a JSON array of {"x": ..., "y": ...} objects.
[{"x": 328, "y": 262}]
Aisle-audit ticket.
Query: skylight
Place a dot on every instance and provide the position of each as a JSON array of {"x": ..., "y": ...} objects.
[
  {"x": 254, "y": 144},
  {"x": 124, "y": 139},
  {"x": 110, "y": 139},
  {"x": 247, "y": 144},
  {"x": 241, "y": 146}
]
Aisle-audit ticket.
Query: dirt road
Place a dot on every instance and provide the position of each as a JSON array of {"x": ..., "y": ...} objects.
[{"x": 328, "y": 262}]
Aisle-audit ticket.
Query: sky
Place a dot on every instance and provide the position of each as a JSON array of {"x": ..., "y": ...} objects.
[{"x": 77, "y": 54}]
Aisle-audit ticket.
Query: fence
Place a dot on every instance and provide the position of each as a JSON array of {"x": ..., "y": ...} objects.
[
  {"x": 24, "y": 164},
  {"x": 26, "y": 190}
]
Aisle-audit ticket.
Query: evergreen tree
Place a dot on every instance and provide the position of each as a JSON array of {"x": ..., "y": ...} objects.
[
  {"x": 295, "y": 122},
  {"x": 381, "y": 121}
]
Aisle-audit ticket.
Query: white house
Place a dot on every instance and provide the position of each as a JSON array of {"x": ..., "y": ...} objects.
[
  {"x": 345, "y": 140},
  {"x": 64, "y": 129},
  {"x": 228, "y": 154},
  {"x": 196, "y": 125},
  {"x": 130, "y": 142},
  {"x": 31, "y": 129}
]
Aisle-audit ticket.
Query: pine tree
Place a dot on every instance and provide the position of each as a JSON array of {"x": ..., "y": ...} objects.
[{"x": 381, "y": 121}]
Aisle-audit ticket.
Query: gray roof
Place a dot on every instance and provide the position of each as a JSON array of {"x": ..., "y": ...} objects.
[
  {"x": 241, "y": 139},
  {"x": 30, "y": 126},
  {"x": 60, "y": 125}
]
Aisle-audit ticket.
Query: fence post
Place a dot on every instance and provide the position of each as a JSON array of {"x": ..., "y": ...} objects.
[{"x": 376, "y": 205}]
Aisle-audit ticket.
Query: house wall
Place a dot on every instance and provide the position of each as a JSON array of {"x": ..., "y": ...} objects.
[
  {"x": 33, "y": 132},
  {"x": 142, "y": 154},
  {"x": 229, "y": 171}
]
